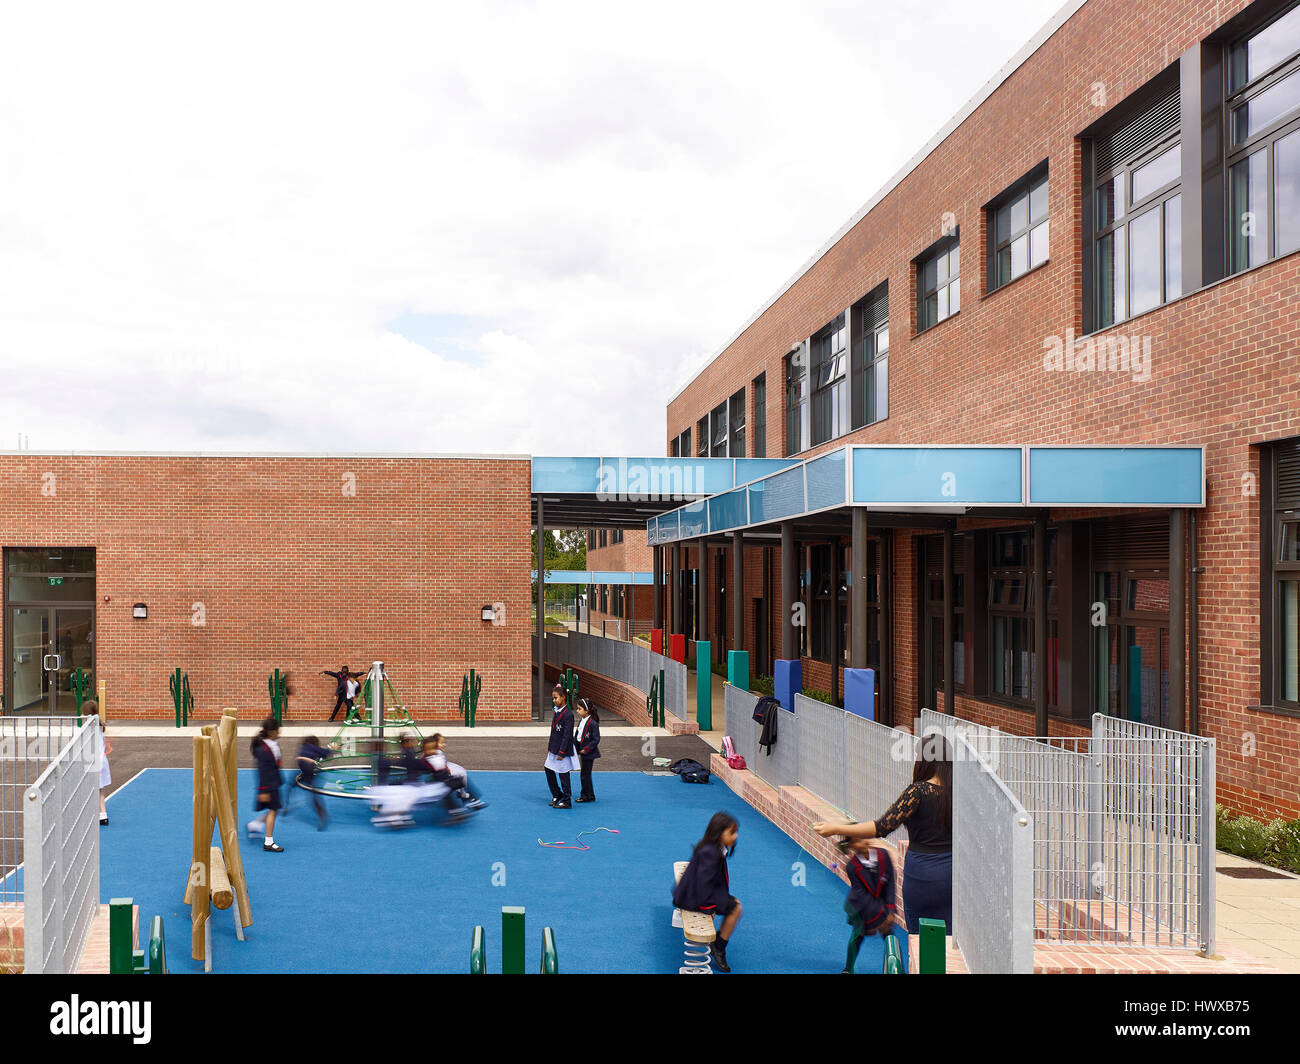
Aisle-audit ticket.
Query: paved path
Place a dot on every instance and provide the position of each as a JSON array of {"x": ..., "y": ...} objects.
[{"x": 1259, "y": 916}]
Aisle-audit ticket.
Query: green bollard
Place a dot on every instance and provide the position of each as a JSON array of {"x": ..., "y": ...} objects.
[
  {"x": 157, "y": 948},
  {"x": 893, "y": 957},
  {"x": 738, "y": 669},
  {"x": 569, "y": 681},
  {"x": 703, "y": 685},
  {"x": 934, "y": 946},
  {"x": 550, "y": 960},
  {"x": 80, "y": 687},
  {"x": 478, "y": 952},
  {"x": 512, "y": 940},
  {"x": 121, "y": 948}
]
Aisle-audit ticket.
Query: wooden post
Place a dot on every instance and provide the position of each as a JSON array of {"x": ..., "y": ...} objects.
[
  {"x": 103, "y": 695},
  {"x": 196, "y": 890},
  {"x": 228, "y": 823},
  {"x": 222, "y": 895}
]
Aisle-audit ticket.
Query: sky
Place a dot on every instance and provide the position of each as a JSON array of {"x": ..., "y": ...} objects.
[{"x": 492, "y": 227}]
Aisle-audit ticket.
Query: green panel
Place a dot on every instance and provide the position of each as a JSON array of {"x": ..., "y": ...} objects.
[
  {"x": 738, "y": 669},
  {"x": 934, "y": 946},
  {"x": 704, "y": 684},
  {"x": 120, "y": 946},
  {"x": 512, "y": 940}
]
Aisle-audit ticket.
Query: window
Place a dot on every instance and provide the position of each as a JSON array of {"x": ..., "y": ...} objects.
[
  {"x": 591, "y": 539},
  {"x": 616, "y": 536},
  {"x": 830, "y": 382},
  {"x": 682, "y": 445},
  {"x": 1280, "y": 578},
  {"x": 1018, "y": 230},
  {"x": 796, "y": 401},
  {"x": 1136, "y": 240},
  {"x": 934, "y": 610},
  {"x": 702, "y": 438},
  {"x": 938, "y": 282},
  {"x": 871, "y": 359},
  {"x": 737, "y": 416},
  {"x": 1264, "y": 144},
  {"x": 759, "y": 391},
  {"x": 604, "y": 536},
  {"x": 718, "y": 440},
  {"x": 1011, "y": 609}
]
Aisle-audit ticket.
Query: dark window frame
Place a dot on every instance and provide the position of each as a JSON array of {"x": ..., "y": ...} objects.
[
  {"x": 941, "y": 249},
  {"x": 1024, "y": 610},
  {"x": 758, "y": 434},
  {"x": 797, "y": 426},
  {"x": 870, "y": 362},
  {"x": 828, "y": 378},
  {"x": 1024, "y": 188},
  {"x": 1275, "y": 513}
]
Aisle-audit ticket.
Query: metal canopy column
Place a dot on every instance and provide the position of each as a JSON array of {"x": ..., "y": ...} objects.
[
  {"x": 789, "y": 592},
  {"x": 1177, "y": 621},
  {"x": 540, "y": 693},
  {"x": 949, "y": 624},
  {"x": 737, "y": 591},
  {"x": 702, "y": 593},
  {"x": 837, "y": 648},
  {"x": 659, "y": 588},
  {"x": 858, "y": 592},
  {"x": 675, "y": 591},
  {"x": 1040, "y": 623}
]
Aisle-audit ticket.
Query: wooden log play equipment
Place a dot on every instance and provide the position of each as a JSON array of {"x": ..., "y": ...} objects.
[{"x": 216, "y": 872}]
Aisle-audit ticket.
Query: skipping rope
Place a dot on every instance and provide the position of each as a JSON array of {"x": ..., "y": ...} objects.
[{"x": 561, "y": 845}]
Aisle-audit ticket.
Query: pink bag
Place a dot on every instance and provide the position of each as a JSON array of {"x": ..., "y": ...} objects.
[{"x": 734, "y": 760}]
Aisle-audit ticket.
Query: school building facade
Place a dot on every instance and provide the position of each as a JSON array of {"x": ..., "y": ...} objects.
[{"x": 1095, "y": 258}]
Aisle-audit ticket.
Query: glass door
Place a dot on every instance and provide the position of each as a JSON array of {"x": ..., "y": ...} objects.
[
  {"x": 29, "y": 681},
  {"x": 50, "y": 628},
  {"x": 74, "y": 651}
]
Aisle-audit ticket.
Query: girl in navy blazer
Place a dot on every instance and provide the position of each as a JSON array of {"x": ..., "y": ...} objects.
[
  {"x": 559, "y": 751},
  {"x": 266, "y": 752},
  {"x": 587, "y": 740},
  {"x": 705, "y": 886}
]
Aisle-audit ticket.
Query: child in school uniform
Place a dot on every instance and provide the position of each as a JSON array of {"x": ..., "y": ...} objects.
[
  {"x": 310, "y": 753},
  {"x": 266, "y": 752},
  {"x": 586, "y": 740},
  {"x": 705, "y": 886},
  {"x": 448, "y": 772},
  {"x": 871, "y": 904},
  {"x": 91, "y": 709},
  {"x": 560, "y": 760}
]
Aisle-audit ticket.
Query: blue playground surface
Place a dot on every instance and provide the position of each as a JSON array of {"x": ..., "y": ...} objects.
[{"x": 359, "y": 899}]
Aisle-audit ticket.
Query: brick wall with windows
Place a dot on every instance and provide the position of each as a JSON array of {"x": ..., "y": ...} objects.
[{"x": 1224, "y": 360}]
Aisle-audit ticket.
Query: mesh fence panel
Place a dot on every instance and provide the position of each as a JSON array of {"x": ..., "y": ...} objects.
[
  {"x": 675, "y": 697},
  {"x": 739, "y": 715},
  {"x": 823, "y": 760},
  {"x": 880, "y": 767},
  {"x": 28, "y": 745},
  {"x": 993, "y": 895},
  {"x": 783, "y": 765}
]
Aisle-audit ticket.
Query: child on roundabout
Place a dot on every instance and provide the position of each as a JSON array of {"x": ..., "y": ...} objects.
[
  {"x": 450, "y": 773},
  {"x": 705, "y": 886}
]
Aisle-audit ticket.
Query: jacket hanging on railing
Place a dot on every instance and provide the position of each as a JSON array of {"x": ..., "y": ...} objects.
[{"x": 767, "y": 711}]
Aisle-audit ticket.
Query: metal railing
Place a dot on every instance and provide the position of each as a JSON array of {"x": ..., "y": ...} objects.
[
  {"x": 27, "y": 746},
  {"x": 1124, "y": 828},
  {"x": 61, "y": 851},
  {"x": 993, "y": 874},
  {"x": 631, "y": 663}
]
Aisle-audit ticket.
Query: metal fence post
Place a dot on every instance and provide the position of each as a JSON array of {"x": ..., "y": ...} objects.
[
  {"x": 1097, "y": 753},
  {"x": 1206, "y": 847}
]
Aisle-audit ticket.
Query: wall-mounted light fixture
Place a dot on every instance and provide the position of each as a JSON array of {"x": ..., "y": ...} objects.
[
  {"x": 489, "y": 614},
  {"x": 139, "y": 611}
]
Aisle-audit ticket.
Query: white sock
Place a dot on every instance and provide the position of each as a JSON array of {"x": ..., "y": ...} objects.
[{"x": 269, "y": 841}]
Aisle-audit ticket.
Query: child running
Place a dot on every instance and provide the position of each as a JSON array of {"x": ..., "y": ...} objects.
[
  {"x": 871, "y": 905},
  {"x": 266, "y": 751},
  {"x": 310, "y": 753},
  {"x": 705, "y": 886}
]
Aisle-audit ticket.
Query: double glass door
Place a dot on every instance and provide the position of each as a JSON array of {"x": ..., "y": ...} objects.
[{"x": 49, "y": 628}]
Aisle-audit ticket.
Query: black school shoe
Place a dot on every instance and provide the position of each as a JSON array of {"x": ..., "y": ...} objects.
[
  {"x": 272, "y": 847},
  {"x": 563, "y": 803},
  {"x": 584, "y": 799},
  {"x": 719, "y": 955}
]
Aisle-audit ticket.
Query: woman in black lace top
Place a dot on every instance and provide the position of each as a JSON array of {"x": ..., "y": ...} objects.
[{"x": 925, "y": 807}]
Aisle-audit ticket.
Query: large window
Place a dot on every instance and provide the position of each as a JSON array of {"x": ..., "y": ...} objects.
[
  {"x": 737, "y": 425},
  {"x": 718, "y": 437},
  {"x": 797, "y": 434},
  {"x": 1264, "y": 144},
  {"x": 1280, "y": 577},
  {"x": 830, "y": 381},
  {"x": 702, "y": 437},
  {"x": 1011, "y": 610},
  {"x": 759, "y": 391},
  {"x": 1018, "y": 229},
  {"x": 934, "y": 611},
  {"x": 682, "y": 445},
  {"x": 871, "y": 359},
  {"x": 938, "y": 282},
  {"x": 1136, "y": 239}
]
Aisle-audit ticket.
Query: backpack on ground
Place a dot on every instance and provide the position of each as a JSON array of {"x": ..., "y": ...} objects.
[{"x": 690, "y": 770}]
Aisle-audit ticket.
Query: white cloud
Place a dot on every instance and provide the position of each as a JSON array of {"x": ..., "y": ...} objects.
[{"x": 208, "y": 213}]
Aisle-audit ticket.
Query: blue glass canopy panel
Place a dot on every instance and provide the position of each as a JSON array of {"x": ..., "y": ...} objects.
[
  {"x": 693, "y": 520},
  {"x": 777, "y": 497},
  {"x": 729, "y": 511},
  {"x": 566, "y": 475},
  {"x": 938, "y": 476},
  {"x": 825, "y": 479},
  {"x": 1116, "y": 476}
]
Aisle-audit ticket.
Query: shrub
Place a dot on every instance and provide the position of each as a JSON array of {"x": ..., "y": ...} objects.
[
  {"x": 819, "y": 695},
  {"x": 1276, "y": 843},
  {"x": 762, "y": 685}
]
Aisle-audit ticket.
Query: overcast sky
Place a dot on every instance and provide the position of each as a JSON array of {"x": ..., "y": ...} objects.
[{"x": 497, "y": 226}]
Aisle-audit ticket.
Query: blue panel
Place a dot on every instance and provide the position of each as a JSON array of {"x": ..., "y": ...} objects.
[
  {"x": 787, "y": 681},
  {"x": 668, "y": 526},
  {"x": 652, "y": 532},
  {"x": 1137, "y": 476},
  {"x": 937, "y": 475},
  {"x": 748, "y": 469},
  {"x": 776, "y": 497},
  {"x": 728, "y": 511},
  {"x": 826, "y": 481},
  {"x": 692, "y": 521},
  {"x": 860, "y": 692},
  {"x": 568, "y": 475}
]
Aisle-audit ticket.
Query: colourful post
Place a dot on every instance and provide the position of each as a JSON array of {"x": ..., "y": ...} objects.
[
  {"x": 934, "y": 946},
  {"x": 738, "y": 669},
  {"x": 472, "y": 689},
  {"x": 663, "y": 717},
  {"x": 157, "y": 948},
  {"x": 121, "y": 947},
  {"x": 80, "y": 687},
  {"x": 677, "y": 647},
  {"x": 703, "y": 685},
  {"x": 478, "y": 953},
  {"x": 550, "y": 960},
  {"x": 279, "y": 690},
  {"x": 893, "y": 957},
  {"x": 569, "y": 681},
  {"x": 657, "y": 640},
  {"x": 512, "y": 940}
]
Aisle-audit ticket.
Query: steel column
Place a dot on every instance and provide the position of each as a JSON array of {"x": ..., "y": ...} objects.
[
  {"x": 737, "y": 591},
  {"x": 949, "y": 624},
  {"x": 858, "y": 592},
  {"x": 540, "y": 653},
  {"x": 1177, "y": 621},
  {"x": 789, "y": 592},
  {"x": 1040, "y": 623}
]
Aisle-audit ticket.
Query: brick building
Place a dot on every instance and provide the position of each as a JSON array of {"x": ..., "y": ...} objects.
[
  {"x": 245, "y": 564},
  {"x": 1098, "y": 250}
]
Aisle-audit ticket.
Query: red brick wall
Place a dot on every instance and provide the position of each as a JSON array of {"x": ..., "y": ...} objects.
[
  {"x": 1225, "y": 361},
  {"x": 291, "y": 573}
]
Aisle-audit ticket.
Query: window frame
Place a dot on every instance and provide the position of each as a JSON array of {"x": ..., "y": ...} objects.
[
  {"x": 868, "y": 360},
  {"x": 828, "y": 380},
  {"x": 758, "y": 419},
  {"x": 944, "y": 247},
  {"x": 797, "y": 425},
  {"x": 1025, "y": 610},
  {"x": 1023, "y": 188},
  {"x": 1274, "y": 515}
]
